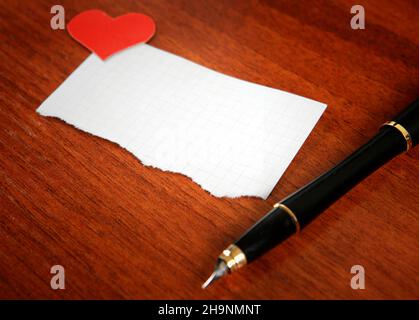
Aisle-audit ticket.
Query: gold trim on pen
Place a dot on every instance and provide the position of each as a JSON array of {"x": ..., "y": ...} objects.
[
  {"x": 403, "y": 131},
  {"x": 291, "y": 214},
  {"x": 233, "y": 257}
]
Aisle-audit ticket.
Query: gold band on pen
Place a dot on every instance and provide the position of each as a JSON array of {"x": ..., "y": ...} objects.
[
  {"x": 403, "y": 131},
  {"x": 233, "y": 257},
  {"x": 291, "y": 214}
]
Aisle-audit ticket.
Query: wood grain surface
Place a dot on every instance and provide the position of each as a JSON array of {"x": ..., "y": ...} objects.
[{"x": 123, "y": 230}]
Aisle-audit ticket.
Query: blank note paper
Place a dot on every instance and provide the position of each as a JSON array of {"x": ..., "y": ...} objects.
[{"x": 232, "y": 137}]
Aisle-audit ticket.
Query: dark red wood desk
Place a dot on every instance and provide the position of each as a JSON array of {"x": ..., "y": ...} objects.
[{"x": 123, "y": 230}]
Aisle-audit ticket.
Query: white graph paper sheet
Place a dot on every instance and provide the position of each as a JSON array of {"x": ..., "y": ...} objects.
[{"x": 232, "y": 137}]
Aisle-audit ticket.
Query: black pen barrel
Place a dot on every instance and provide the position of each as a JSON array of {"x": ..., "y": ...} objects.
[
  {"x": 301, "y": 207},
  {"x": 315, "y": 197}
]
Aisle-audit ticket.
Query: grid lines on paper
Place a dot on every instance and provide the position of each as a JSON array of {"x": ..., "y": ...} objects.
[{"x": 230, "y": 136}]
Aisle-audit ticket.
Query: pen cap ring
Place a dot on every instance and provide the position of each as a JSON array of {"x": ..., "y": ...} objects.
[
  {"x": 408, "y": 119},
  {"x": 291, "y": 214},
  {"x": 403, "y": 131}
]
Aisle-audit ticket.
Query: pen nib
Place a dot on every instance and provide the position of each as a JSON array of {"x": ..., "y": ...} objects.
[{"x": 220, "y": 270}]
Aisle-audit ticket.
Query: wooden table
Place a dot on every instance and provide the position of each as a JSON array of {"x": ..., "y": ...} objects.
[{"x": 123, "y": 230}]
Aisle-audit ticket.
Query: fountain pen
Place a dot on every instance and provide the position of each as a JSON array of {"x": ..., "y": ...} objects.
[{"x": 296, "y": 211}]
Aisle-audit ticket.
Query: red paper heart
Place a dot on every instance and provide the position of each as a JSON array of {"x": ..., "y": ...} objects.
[{"x": 105, "y": 35}]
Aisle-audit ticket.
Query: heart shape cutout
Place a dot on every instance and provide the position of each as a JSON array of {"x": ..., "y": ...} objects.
[{"x": 105, "y": 35}]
